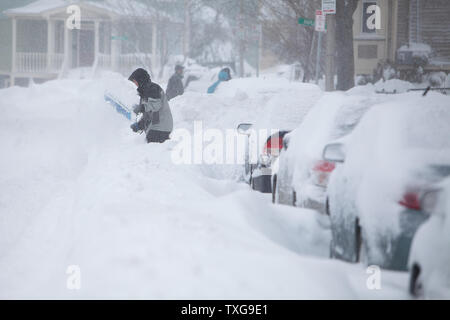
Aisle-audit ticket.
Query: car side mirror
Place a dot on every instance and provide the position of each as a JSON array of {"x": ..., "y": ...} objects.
[
  {"x": 334, "y": 152},
  {"x": 243, "y": 128}
]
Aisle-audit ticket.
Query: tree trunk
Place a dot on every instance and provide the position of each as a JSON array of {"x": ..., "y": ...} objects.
[
  {"x": 187, "y": 29},
  {"x": 345, "y": 63}
]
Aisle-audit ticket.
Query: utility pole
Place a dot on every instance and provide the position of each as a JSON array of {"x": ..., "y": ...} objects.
[
  {"x": 260, "y": 39},
  {"x": 260, "y": 49},
  {"x": 241, "y": 39},
  {"x": 319, "y": 47},
  {"x": 187, "y": 28},
  {"x": 331, "y": 48}
]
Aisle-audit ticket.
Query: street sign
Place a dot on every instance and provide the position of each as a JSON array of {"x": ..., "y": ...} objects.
[
  {"x": 306, "y": 22},
  {"x": 320, "y": 24},
  {"x": 329, "y": 6}
]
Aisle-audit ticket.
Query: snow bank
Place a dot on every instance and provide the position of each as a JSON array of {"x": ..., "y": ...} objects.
[
  {"x": 79, "y": 188},
  {"x": 268, "y": 104},
  {"x": 49, "y": 133}
]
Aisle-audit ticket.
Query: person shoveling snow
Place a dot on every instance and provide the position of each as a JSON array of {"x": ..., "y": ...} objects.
[
  {"x": 157, "y": 121},
  {"x": 175, "y": 86},
  {"x": 224, "y": 75}
]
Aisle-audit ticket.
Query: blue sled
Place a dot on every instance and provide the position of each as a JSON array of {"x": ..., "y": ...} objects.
[{"x": 119, "y": 106}]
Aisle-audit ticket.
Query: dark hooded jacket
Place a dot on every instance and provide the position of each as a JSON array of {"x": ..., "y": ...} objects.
[
  {"x": 154, "y": 102},
  {"x": 175, "y": 86}
]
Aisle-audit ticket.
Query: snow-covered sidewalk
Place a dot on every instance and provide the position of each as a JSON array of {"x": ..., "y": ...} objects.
[{"x": 77, "y": 187}]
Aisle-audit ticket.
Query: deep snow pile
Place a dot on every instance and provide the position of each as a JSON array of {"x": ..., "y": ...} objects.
[
  {"x": 270, "y": 104},
  {"x": 79, "y": 188},
  {"x": 397, "y": 143}
]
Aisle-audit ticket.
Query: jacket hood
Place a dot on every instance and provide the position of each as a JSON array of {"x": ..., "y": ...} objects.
[{"x": 140, "y": 76}]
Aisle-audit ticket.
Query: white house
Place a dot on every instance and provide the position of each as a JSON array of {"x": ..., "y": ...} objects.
[{"x": 113, "y": 34}]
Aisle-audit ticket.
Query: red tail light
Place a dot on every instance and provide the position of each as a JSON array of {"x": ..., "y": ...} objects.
[
  {"x": 321, "y": 172},
  {"x": 411, "y": 200},
  {"x": 273, "y": 146},
  {"x": 324, "y": 166}
]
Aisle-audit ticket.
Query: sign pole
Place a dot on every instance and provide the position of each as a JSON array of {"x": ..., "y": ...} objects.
[
  {"x": 329, "y": 9},
  {"x": 331, "y": 46},
  {"x": 319, "y": 47},
  {"x": 320, "y": 27}
]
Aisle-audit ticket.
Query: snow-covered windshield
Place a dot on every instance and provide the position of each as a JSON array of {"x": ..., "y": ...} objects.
[
  {"x": 347, "y": 118},
  {"x": 424, "y": 127}
]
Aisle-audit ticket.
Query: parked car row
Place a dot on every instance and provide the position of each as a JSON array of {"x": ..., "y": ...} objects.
[{"x": 380, "y": 170}]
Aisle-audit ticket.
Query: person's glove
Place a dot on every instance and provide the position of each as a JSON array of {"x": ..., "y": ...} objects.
[
  {"x": 138, "y": 108},
  {"x": 135, "y": 127}
]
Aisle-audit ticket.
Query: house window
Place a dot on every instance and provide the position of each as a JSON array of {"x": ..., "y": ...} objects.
[
  {"x": 369, "y": 16},
  {"x": 369, "y": 51}
]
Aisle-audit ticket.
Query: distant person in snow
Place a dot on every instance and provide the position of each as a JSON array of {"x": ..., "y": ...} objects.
[
  {"x": 224, "y": 75},
  {"x": 156, "y": 122},
  {"x": 175, "y": 86}
]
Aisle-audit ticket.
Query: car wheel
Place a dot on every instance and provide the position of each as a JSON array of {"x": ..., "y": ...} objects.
[
  {"x": 415, "y": 285},
  {"x": 274, "y": 189}
]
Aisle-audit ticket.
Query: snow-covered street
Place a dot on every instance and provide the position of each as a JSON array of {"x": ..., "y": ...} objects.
[{"x": 78, "y": 188}]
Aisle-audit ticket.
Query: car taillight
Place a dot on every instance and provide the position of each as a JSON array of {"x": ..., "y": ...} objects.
[
  {"x": 411, "y": 200},
  {"x": 324, "y": 166},
  {"x": 321, "y": 171},
  {"x": 273, "y": 146}
]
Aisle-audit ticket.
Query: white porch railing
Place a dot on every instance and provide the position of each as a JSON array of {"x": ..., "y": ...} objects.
[{"x": 37, "y": 62}]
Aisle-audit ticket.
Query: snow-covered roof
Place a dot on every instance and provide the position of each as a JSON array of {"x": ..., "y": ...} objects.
[
  {"x": 124, "y": 7},
  {"x": 114, "y": 7},
  {"x": 37, "y": 7}
]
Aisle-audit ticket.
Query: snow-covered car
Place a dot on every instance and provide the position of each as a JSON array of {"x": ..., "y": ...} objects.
[
  {"x": 302, "y": 175},
  {"x": 398, "y": 150},
  {"x": 259, "y": 173},
  {"x": 430, "y": 251}
]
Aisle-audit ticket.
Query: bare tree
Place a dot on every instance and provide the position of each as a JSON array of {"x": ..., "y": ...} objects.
[
  {"x": 345, "y": 63},
  {"x": 283, "y": 35}
]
